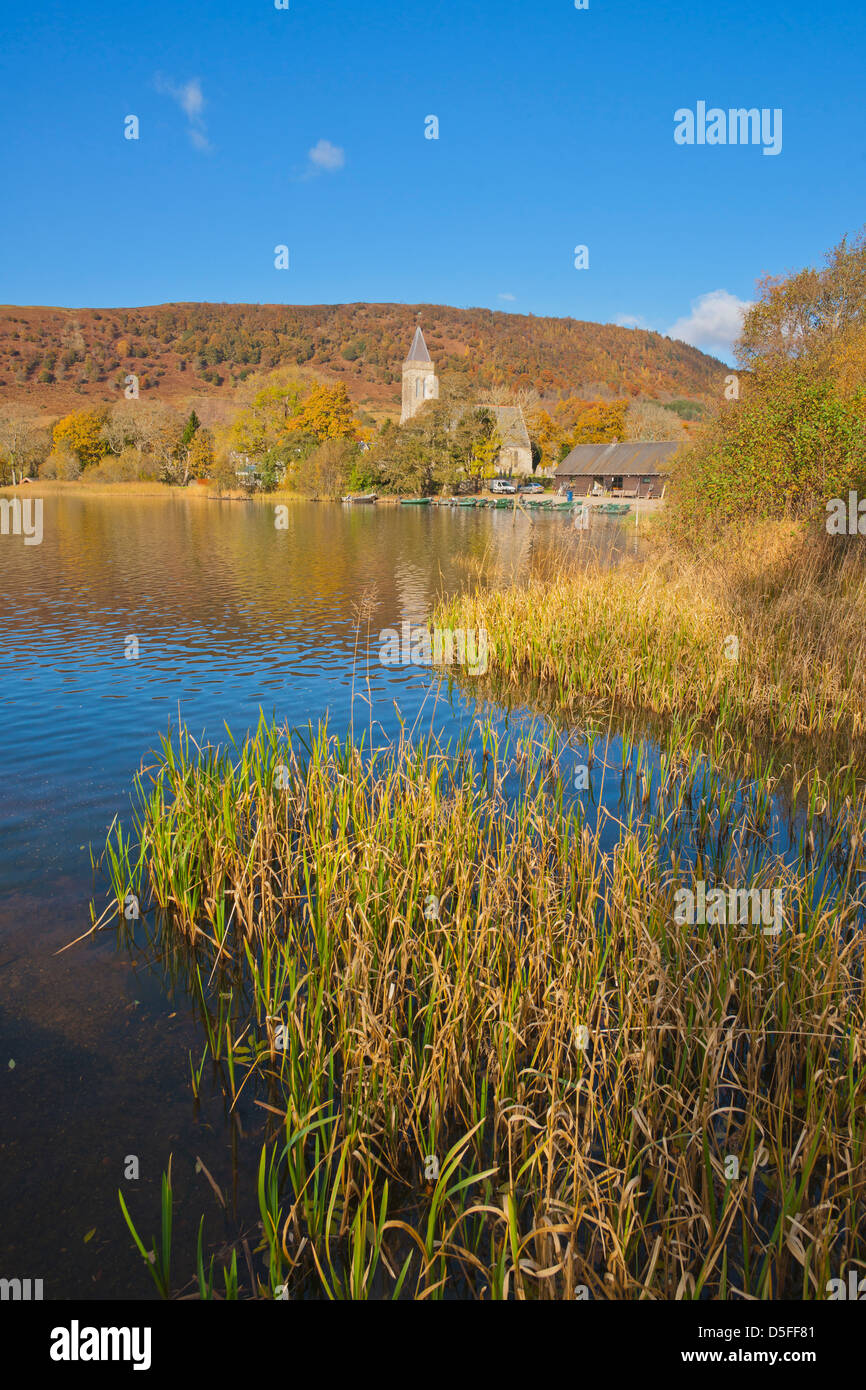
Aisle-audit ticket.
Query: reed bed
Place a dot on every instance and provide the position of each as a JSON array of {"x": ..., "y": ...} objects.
[
  {"x": 494, "y": 1064},
  {"x": 763, "y": 632}
]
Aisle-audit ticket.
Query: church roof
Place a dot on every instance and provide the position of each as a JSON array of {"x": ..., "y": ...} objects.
[
  {"x": 511, "y": 425},
  {"x": 418, "y": 351}
]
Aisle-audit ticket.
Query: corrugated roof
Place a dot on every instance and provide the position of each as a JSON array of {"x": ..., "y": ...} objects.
[
  {"x": 629, "y": 459},
  {"x": 418, "y": 351}
]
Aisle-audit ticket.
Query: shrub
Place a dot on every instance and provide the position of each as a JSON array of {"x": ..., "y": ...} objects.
[
  {"x": 61, "y": 465},
  {"x": 784, "y": 449},
  {"x": 122, "y": 468}
]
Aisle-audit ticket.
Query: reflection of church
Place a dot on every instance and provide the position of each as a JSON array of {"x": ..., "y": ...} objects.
[{"x": 420, "y": 384}]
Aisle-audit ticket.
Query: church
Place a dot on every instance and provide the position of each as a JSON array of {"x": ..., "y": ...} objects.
[{"x": 420, "y": 384}]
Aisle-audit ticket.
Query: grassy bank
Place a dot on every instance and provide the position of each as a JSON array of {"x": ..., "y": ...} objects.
[
  {"x": 761, "y": 632},
  {"x": 46, "y": 487},
  {"x": 492, "y": 1062}
]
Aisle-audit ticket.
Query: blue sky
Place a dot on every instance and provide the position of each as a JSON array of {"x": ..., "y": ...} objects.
[{"x": 555, "y": 129}]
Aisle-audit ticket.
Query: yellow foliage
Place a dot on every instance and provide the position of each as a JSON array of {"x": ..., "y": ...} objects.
[
  {"x": 81, "y": 434},
  {"x": 327, "y": 413},
  {"x": 547, "y": 434},
  {"x": 268, "y": 422},
  {"x": 201, "y": 453},
  {"x": 278, "y": 412},
  {"x": 849, "y": 363},
  {"x": 600, "y": 423},
  {"x": 574, "y": 422}
]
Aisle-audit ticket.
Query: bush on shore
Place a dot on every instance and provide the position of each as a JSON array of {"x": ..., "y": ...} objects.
[{"x": 795, "y": 436}]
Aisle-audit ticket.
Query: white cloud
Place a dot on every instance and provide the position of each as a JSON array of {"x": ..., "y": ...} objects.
[
  {"x": 715, "y": 322},
  {"x": 631, "y": 321},
  {"x": 190, "y": 99},
  {"x": 507, "y": 296},
  {"x": 327, "y": 156}
]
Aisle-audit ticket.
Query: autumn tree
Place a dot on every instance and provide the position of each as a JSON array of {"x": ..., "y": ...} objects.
[
  {"x": 600, "y": 423},
  {"x": 120, "y": 428},
  {"x": 575, "y": 421},
  {"x": 446, "y": 441},
  {"x": 200, "y": 454},
  {"x": 23, "y": 446},
  {"x": 81, "y": 435},
  {"x": 270, "y": 422},
  {"x": 645, "y": 421},
  {"x": 325, "y": 473},
  {"x": 194, "y": 453},
  {"x": 548, "y": 435},
  {"x": 223, "y": 471},
  {"x": 159, "y": 430},
  {"x": 810, "y": 318},
  {"x": 795, "y": 437},
  {"x": 327, "y": 413},
  {"x": 475, "y": 445}
]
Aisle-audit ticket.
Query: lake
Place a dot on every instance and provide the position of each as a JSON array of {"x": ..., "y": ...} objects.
[{"x": 133, "y": 614}]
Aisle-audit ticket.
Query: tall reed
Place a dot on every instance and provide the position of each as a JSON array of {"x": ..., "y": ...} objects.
[
  {"x": 763, "y": 632},
  {"x": 500, "y": 1067}
]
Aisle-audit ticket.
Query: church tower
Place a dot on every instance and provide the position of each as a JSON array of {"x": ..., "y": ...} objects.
[{"x": 420, "y": 382}]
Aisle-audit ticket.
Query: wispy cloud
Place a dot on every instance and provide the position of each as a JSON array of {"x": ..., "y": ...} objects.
[
  {"x": 327, "y": 157},
  {"x": 507, "y": 296},
  {"x": 630, "y": 321},
  {"x": 715, "y": 321},
  {"x": 190, "y": 99}
]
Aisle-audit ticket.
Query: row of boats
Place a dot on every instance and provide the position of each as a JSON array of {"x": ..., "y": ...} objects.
[
  {"x": 549, "y": 504},
  {"x": 556, "y": 504}
]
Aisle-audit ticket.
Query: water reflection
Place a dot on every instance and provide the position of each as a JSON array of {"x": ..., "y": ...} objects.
[{"x": 230, "y": 615}]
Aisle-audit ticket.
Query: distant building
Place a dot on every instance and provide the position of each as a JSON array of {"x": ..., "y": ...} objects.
[
  {"x": 420, "y": 384},
  {"x": 515, "y": 456},
  {"x": 631, "y": 469}
]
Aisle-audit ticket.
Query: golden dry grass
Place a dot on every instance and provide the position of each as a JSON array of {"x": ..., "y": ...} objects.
[
  {"x": 655, "y": 634},
  {"x": 297, "y": 880}
]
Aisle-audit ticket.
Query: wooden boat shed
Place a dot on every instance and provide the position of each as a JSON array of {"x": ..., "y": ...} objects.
[{"x": 630, "y": 469}]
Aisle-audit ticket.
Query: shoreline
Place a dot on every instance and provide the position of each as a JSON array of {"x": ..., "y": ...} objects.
[{"x": 147, "y": 488}]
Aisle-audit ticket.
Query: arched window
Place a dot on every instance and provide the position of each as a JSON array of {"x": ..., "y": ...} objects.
[{"x": 417, "y": 386}]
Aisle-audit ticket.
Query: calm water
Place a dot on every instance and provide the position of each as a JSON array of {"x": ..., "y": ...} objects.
[{"x": 231, "y": 615}]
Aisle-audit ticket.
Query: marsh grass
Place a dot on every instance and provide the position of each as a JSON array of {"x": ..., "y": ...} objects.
[
  {"x": 652, "y": 633},
  {"x": 536, "y": 1088}
]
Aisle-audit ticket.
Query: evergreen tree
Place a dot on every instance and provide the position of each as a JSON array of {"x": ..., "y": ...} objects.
[{"x": 189, "y": 429}]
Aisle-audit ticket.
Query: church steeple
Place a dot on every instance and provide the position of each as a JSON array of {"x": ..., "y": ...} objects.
[
  {"x": 418, "y": 351},
  {"x": 420, "y": 382}
]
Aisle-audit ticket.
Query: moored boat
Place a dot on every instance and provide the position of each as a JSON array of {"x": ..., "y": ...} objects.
[{"x": 360, "y": 497}]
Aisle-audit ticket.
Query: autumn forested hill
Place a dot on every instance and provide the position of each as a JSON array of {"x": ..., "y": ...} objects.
[{"x": 53, "y": 360}]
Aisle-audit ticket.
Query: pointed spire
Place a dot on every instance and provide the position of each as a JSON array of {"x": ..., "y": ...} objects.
[{"x": 418, "y": 351}]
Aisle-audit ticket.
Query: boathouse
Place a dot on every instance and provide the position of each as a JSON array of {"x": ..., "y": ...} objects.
[{"x": 630, "y": 469}]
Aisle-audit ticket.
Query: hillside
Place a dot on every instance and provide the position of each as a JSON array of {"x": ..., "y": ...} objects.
[{"x": 53, "y": 360}]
